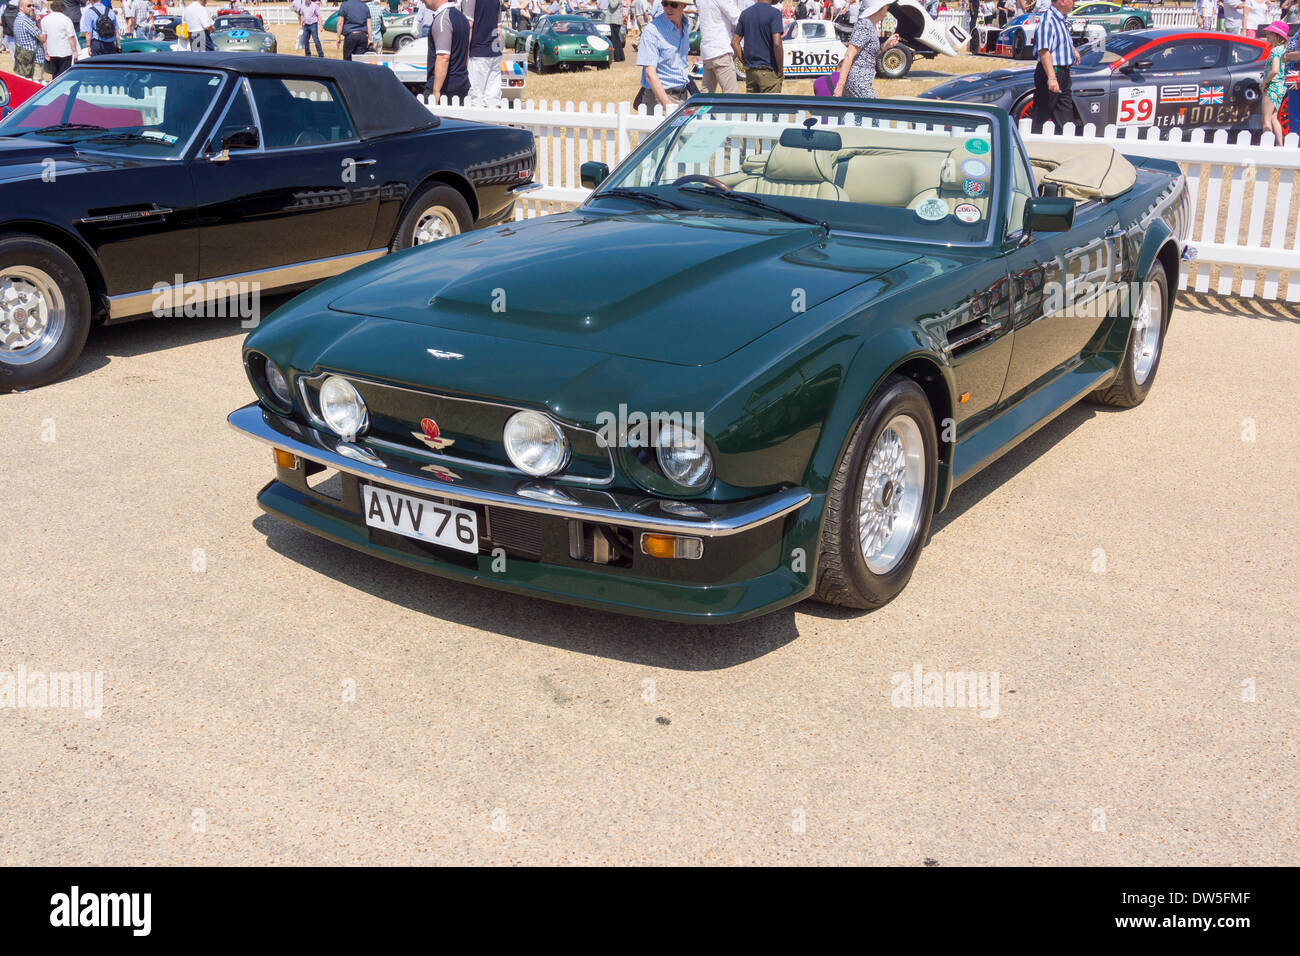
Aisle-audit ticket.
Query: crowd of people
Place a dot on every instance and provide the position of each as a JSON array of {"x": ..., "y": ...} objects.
[{"x": 44, "y": 37}]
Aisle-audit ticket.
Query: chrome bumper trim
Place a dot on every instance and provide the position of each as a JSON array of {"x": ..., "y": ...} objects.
[{"x": 716, "y": 519}]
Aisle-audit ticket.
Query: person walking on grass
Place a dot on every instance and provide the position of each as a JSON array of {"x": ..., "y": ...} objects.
[{"x": 857, "y": 71}]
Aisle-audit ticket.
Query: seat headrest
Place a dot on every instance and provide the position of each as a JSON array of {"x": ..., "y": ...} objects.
[
  {"x": 967, "y": 173},
  {"x": 798, "y": 165}
]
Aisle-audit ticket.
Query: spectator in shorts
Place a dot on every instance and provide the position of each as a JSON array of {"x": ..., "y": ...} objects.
[
  {"x": 757, "y": 40},
  {"x": 60, "y": 39},
  {"x": 198, "y": 24},
  {"x": 29, "y": 42}
]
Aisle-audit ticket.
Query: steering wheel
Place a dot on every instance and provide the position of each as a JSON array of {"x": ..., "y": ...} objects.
[{"x": 696, "y": 178}]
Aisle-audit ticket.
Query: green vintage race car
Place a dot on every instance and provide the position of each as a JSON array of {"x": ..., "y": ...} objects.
[
  {"x": 833, "y": 312},
  {"x": 560, "y": 41},
  {"x": 241, "y": 33},
  {"x": 140, "y": 45},
  {"x": 1112, "y": 17},
  {"x": 379, "y": 16},
  {"x": 399, "y": 32}
]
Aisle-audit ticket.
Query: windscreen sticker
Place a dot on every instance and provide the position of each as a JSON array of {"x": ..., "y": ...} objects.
[
  {"x": 932, "y": 210},
  {"x": 967, "y": 212},
  {"x": 703, "y": 143},
  {"x": 977, "y": 146},
  {"x": 975, "y": 168},
  {"x": 972, "y": 187},
  {"x": 167, "y": 138}
]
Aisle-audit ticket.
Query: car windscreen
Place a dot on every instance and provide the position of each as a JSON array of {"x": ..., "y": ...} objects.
[
  {"x": 237, "y": 23},
  {"x": 912, "y": 175},
  {"x": 574, "y": 27},
  {"x": 143, "y": 113}
]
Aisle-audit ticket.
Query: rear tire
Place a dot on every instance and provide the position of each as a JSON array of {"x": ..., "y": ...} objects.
[
  {"x": 896, "y": 62},
  {"x": 44, "y": 312},
  {"x": 1133, "y": 23},
  {"x": 1142, "y": 352},
  {"x": 436, "y": 212},
  {"x": 881, "y": 500},
  {"x": 1018, "y": 45},
  {"x": 402, "y": 42}
]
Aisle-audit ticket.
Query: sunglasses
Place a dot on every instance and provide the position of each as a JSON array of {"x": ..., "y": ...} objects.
[{"x": 679, "y": 6}]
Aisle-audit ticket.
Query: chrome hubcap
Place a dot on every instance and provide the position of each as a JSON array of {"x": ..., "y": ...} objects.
[
  {"x": 1147, "y": 324},
  {"x": 32, "y": 314},
  {"x": 436, "y": 222},
  {"x": 889, "y": 508}
]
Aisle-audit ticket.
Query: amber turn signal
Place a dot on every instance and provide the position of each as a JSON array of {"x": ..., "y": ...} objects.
[
  {"x": 672, "y": 546},
  {"x": 286, "y": 459}
]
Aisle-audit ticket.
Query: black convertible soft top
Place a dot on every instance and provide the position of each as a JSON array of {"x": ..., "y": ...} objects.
[{"x": 377, "y": 100}]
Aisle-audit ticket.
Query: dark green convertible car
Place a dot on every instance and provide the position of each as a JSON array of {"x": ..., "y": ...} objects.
[{"x": 813, "y": 319}]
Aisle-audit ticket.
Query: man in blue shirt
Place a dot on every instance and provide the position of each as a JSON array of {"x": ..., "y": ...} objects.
[
  {"x": 664, "y": 45},
  {"x": 1054, "y": 50},
  {"x": 95, "y": 40},
  {"x": 760, "y": 27},
  {"x": 354, "y": 27}
]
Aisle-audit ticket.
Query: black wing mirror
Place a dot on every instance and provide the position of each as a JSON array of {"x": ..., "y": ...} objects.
[
  {"x": 593, "y": 174},
  {"x": 1138, "y": 65},
  {"x": 1044, "y": 214},
  {"x": 236, "y": 137}
]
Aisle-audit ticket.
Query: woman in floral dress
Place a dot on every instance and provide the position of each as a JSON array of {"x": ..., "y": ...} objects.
[{"x": 858, "y": 67}]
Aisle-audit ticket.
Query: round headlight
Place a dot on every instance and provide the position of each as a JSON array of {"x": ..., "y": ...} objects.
[
  {"x": 277, "y": 383},
  {"x": 535, "y": 444},
  {"x": 684, "y": 457},
  {"x": 341, "y": 407}
]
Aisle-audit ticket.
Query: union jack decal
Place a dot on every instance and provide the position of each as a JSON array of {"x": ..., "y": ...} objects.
[{"x": 1211, "y": 96}]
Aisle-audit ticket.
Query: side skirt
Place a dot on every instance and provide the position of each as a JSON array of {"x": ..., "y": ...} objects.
[{"x": 1013, "y": 425}]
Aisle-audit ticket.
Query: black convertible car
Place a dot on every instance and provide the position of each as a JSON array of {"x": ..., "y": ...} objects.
[
  {"x": 1164, "y": 79},
  {"x": 134, "y": 183}
]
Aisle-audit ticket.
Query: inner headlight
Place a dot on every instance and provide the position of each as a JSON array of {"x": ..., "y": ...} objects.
[
  {"x": 342, "y": 408},
  {"x": 684, "y": 457},
  {"x": 536, "y": 444},
  {"x": 276, "y": 382}
]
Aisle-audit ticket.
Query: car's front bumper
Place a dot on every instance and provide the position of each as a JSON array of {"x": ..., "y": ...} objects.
[{"x": 538, "y": 528}]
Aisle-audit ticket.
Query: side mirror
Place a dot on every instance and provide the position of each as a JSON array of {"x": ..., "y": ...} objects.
[
  {"x": 593, "y": 174},
  {"x": 236, "y": 137},
  {"x": 1139, "y": 65},
  {"x": 1043, "y": 214}
]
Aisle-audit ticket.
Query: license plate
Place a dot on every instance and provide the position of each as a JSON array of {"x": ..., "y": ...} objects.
[{"x": 420, "y": 518}]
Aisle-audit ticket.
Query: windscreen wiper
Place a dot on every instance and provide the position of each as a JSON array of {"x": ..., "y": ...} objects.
[
  {"x": 642, "y": 195},
  {"x": 59, "y": 128},
  {"x": 754, "y": 201}
]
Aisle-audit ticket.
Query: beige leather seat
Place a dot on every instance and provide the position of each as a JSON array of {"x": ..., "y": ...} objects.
[{"x": 789, "y": 171}]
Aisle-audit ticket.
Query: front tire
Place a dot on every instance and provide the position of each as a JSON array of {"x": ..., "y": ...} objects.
[
  {"x": 881, "y": 500},
  {"x": 1018, "y": 45},
  {"x": 436, "y": 212},
  {"x": 402, "y": 42},
  {"x": 44, "y": 312},
  {"x": 1132, "y": 23},
  {"x": 1141, "y": 360}
]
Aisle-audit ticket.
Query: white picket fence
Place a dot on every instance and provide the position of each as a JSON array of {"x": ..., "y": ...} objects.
[{"x": 1245, "y": 199}]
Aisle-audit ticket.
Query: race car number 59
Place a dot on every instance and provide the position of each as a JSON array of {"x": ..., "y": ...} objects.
[{"x": 1137, "y": 105}]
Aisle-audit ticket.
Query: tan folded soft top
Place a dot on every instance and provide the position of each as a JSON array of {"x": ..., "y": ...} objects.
[{"x": 1084, "y": 171}]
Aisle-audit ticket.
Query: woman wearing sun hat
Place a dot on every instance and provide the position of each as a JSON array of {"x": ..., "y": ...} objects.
[{"x": 858, "y": 67}]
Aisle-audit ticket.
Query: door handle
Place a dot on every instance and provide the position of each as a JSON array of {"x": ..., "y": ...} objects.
[{"x": 363, "y": 162}]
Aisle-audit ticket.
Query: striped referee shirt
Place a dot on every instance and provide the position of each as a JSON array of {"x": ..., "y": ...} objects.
[{"x": 1053, "y": 35}]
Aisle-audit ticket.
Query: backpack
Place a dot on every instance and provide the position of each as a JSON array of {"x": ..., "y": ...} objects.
[
  {"x": 105, "y": 26},
  {"x": 801, "y": 11}
]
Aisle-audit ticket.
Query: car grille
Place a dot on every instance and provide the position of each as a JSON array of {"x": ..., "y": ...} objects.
[{"x": 471, "y": 428}]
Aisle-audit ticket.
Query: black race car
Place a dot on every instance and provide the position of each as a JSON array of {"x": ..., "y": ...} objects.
[
  {"x": 137, "y": 183},
  {"x": 1166, "y": 79}
]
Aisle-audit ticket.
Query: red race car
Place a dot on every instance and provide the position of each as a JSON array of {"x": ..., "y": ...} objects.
[{"x": 14, "y": 91}]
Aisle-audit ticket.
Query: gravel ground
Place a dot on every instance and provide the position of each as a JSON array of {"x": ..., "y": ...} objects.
[{"x": 272, "y": 698}]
